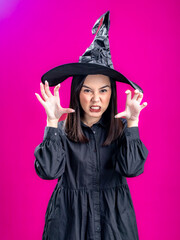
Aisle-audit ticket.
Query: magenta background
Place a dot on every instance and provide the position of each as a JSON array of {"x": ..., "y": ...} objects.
[{"x": 36, "y": 36}]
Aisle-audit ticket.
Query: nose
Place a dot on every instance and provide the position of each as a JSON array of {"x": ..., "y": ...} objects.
[{"x": 95, "y": 97}]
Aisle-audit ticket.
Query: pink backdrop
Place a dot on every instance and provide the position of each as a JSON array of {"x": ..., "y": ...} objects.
[{"x": 36, "y": 36}]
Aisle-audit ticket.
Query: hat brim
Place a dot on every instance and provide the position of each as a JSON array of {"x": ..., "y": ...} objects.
[{"x": 62, "y": 72}]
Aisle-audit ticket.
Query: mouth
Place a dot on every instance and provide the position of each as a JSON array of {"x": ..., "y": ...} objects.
[{"x": 95, "y": 108}]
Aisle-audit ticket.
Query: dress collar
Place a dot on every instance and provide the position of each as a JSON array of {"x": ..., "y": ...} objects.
[{"x": 101, "y": 122}]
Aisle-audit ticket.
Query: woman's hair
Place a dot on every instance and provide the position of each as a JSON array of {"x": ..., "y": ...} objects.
[{"x": 73, "y": 122}]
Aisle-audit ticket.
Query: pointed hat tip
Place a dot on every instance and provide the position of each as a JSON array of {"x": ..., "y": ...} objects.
[{"x": 103, "y": 20}]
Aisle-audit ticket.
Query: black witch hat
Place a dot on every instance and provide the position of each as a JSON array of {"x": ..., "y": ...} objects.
[{"x": 95, "y": 60}]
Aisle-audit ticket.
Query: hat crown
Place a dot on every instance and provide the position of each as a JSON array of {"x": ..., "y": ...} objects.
[{"x": 99, "y": 52}]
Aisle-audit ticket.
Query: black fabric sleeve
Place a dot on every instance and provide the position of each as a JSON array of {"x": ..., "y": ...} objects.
[
  {"x": 50, "y": 155},
  {"x": 132, "y": 153}
]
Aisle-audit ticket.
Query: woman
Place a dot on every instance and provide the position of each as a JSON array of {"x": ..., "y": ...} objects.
[{"x": 90, "y": 153}]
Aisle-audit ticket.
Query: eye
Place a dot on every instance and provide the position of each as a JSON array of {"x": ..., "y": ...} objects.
[
  {"x": 87, "y": 90},
  {"x": 104, "y": 90}
]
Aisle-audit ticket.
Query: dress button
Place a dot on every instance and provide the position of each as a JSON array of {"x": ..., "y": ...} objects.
[
  {"x": 98, "y": 228},
  {"x": 55, "y": 134},
  {"x": 94, "y": 132}
]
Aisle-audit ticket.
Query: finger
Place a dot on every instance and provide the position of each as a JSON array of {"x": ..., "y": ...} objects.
[
  {"x": 119, "y": 115},
  {"x": 140, "y": 97},
  {"x": 48, "y": 92},
  {"x": 40, "y": 99},
  {"x": 43, "y": 92},
  {"x": 68, "y": 110},
  {"x": 128, "y": 92},
  {"x": 56, "y": 90},
  {"x": 143, "y": 105},
  {"x": 136, "y": 94}
]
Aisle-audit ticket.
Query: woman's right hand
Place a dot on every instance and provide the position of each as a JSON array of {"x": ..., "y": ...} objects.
[{"x": 52, "y": 104}]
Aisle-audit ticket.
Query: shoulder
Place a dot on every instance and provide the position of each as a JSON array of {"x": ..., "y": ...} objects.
[
  {"x": 61, "y": 127},
  {"x": 124, "y": 121}
]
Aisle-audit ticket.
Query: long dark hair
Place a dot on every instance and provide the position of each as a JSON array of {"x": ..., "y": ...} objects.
[{"x": 73, "y": 121}]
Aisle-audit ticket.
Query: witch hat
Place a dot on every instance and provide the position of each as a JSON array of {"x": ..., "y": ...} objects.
[{"x": 95, "y": 60}]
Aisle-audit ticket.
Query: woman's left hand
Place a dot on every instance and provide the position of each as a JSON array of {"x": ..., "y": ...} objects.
[{"x": 133, "y": 107}]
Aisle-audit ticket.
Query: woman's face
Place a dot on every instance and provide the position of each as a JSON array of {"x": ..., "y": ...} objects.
[{"x": 94, "y": 97}]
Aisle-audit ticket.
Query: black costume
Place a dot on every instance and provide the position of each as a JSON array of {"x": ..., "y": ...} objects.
[{"x": 91, "y": 200}]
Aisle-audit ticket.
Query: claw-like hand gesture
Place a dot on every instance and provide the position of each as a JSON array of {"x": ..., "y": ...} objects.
[
  {"x": 133, "y": 107},
  {"x": 52, "y": 104}
]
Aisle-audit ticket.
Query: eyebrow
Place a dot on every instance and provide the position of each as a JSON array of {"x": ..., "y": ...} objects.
[{"x": 99, "y": 88}]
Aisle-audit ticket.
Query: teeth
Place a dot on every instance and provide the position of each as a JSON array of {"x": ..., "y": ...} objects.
[{"x": 95, "y": 107}]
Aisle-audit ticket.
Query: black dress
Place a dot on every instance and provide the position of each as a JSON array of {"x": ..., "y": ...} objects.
[{"x": 91, "y": 200}]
